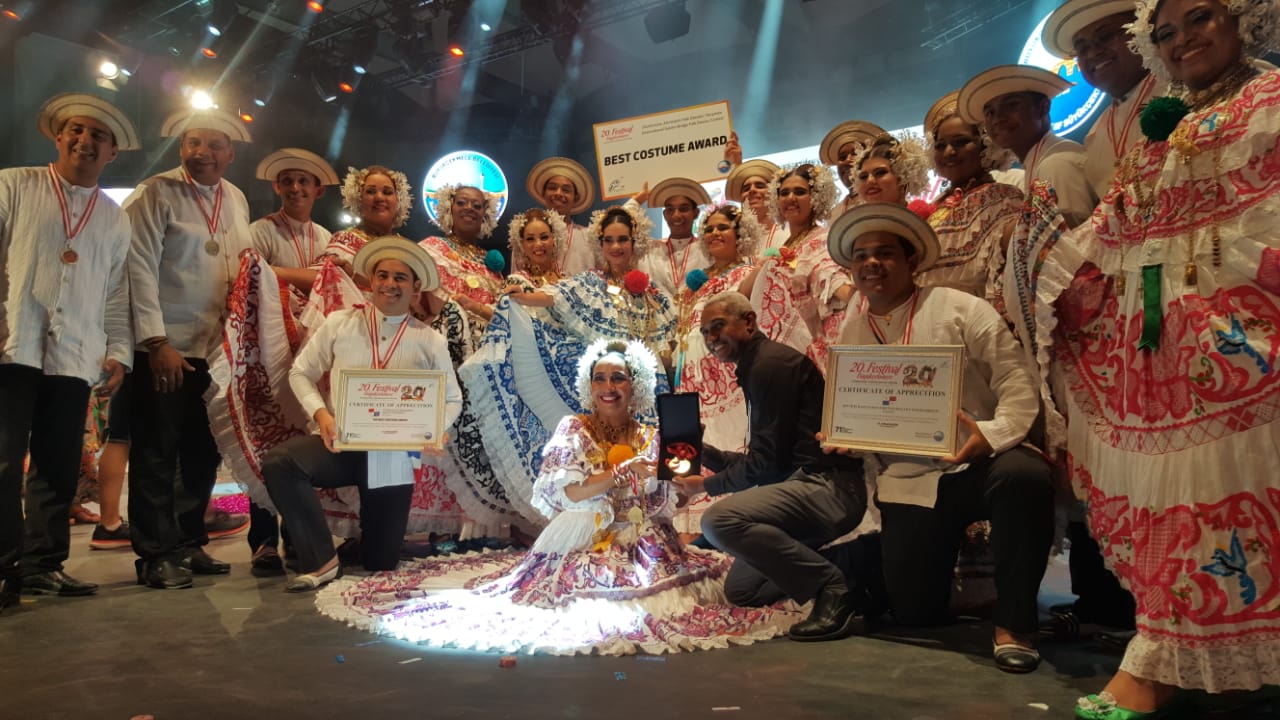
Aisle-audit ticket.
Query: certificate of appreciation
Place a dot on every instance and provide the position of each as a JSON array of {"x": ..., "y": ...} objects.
[
  {"x": 893, "y": 398},
  {"x": 388, "y": 409}
]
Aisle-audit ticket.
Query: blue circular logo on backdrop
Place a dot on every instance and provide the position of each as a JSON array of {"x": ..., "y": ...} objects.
[
  {"x": 464, "y": 167},
  {"x": 1074, "y": 108}
]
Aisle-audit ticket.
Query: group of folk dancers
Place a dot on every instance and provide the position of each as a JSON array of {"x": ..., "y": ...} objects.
[{"x": 1133, "y": 284}]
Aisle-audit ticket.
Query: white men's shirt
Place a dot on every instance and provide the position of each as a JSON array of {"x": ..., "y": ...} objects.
[
  {"x": 179, "y": 288},
  {"x": 1060, "y": 162},
  {"x": 64, "y": 318},
  {"x": 579, "y": 256},
  {"x": 670, "y": 259},
  {"x": 285, "y": 242},
  {"x": 342, "y": 341},
  {"x": 998, "y": 389},
  {"x": 1114, "y": 134}
]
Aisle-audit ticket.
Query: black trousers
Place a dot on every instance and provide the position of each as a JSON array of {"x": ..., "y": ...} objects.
[
  {"x": 1013, "y": 490},
  {"x": 44, "y": 414},
  {"x": 773, "y": 532},
  {"x": 266, "y": 529},
  {"x": 169, "y": 431},
  {"x": 293, "y": 469},
  {"x": 1101, "y": 598}
]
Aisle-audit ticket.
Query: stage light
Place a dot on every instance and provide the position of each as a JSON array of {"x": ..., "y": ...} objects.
[
  {"x": 209, "y": 52},
  {"x": 109, "y": 70},
  {"x": 486, "y": 26},
  {"x": 213, "y": 30},
  {"x": 346, "y": 87},
  {"x": 362, "y": 47},
  {"x": 667, "y": 22},
  {"x": 456, "y": 51},
  {"x": 315, "y": 6},
  {"x": 246, "y": 117},
  {"x": 201, "y": 100},
  {"x": 12, "y": 15},
  {"x": 326, "y": 88},
  {"x": 259, "y": 102},
  {"x": 346, "y": 219}
]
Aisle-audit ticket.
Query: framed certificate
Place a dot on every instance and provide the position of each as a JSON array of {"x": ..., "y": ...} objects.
[
  {"x": 388, "y": 409},
  {"x": 893, "y": 398}
]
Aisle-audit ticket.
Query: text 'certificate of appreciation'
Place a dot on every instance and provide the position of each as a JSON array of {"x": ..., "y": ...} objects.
[
  {"x": 388, "y": 409},
  {"x": 893, "y": 398},
  {"x": 688, "y": 142}
]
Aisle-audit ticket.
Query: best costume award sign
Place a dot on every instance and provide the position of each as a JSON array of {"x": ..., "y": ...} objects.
[
  {"x": 389, "y": 409},
  {"x": 900, "y": 399},
  {"x": 688, "y": 142}
]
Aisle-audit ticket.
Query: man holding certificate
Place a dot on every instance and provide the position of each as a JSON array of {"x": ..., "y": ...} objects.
[
  {"x": 926, "y": 503},
  {"x": 362, "y": 342}
]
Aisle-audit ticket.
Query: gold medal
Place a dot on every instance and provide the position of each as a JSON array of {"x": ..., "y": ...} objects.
[
  {"x": 69, "y": 257},
  {"x": 473, "y": 282},
  {"x": 212, "y": 247}
]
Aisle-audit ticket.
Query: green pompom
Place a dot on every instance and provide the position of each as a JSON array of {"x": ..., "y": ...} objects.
[{"x": 1161, "y": 116}]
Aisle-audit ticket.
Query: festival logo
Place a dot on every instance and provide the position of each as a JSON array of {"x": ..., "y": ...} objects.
[
  {"x": 464, "y": 167},
  {"x": 1074, "y": 108}
]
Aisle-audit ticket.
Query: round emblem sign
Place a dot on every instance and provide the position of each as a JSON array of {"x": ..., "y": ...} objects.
[
  {"x": 1074, "y": 108},
  {"x": 464, "y": 167}
]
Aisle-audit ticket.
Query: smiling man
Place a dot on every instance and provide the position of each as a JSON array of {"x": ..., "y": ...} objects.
[
  {"x": 288, "y": 239},
  {"x": 384, "y": 336},
  {"x": 64, "y": 329},
  {"x": 1093, "y": 33},
  {"x": 189, "y": 228},
  {"x": 564, "y": 185},
  {"x": 925, "y": 506},
  {"x": 789, "y": 498},
  {"x": 671, "y": 258},
  {"x": 1012, "y": 102}
]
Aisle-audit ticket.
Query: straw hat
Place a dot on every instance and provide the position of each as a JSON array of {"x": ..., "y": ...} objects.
[
  {"x": 882, "y": 217},
  {"x": 1004, "y": 79},
  {"x": 944, "y": 107},
  {"x": 678, "y": 187},
  {"x": 855, "y": 131},
  {"x": 398, "y": 248},
  {"x": 750, "y": 168},
  {"x": 564, "y": 167},
  {"x": 211, "y": 119},
  {"x": 1074, "y": 16},
  {"x": 296, "y": 159},
  {"x": 60, "y": 108}
]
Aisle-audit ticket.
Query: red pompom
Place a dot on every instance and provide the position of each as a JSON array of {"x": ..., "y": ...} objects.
[
  {"x": 787, "y": 254},
  {"x": 923, "y": 208},
  {"x": 636, "y": 282}
]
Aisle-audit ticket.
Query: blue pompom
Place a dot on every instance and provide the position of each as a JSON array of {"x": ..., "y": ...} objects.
[
  {"x": 495, "y": 262},
  {"x": 695, "y": 279}
]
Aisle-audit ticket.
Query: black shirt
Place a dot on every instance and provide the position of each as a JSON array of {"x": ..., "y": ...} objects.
[{"x": 784, "y": 392}]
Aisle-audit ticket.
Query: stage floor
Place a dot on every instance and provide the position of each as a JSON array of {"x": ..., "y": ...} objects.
[{"x": 236, "y": 646}]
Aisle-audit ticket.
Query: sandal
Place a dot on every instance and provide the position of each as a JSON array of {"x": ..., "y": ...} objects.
[
  {"x": 1103, "y": 707},
  {"x": 81, "y": 515}
]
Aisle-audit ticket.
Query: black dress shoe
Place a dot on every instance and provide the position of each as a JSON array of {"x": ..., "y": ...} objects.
[
  {"x": 200, "y": 562},
  {"x": 834, "y": 617},
  {"x": 162, "y": 574},
  {"x": 56, "y": 583}
]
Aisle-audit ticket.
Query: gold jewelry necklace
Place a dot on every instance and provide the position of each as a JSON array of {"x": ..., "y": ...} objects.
[{"x": 1224, "y": 88}]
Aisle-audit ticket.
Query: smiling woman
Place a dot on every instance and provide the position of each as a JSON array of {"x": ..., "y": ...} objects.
[
  {"x": 1194, "y": 332},
  {"x": 975, "y": 215}
]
